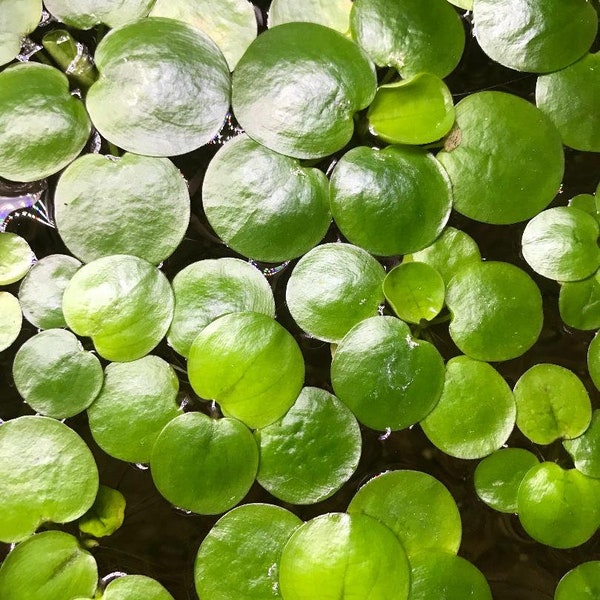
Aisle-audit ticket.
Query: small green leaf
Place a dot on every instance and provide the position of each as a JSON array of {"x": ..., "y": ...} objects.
[
  {"x": 331, "y": 13},
  {"x": 552, "y": 402},
  {"x": 586, "y": 203},
  {"x": 580, "y": 583},
  {"x": 16, "y": 258},
  {"x": 135, "y": 587},
  {"x": 106, "y": 515},
  {"x": 415, "y": 506},
  {"x": 476, "y": 412},
  {"x": 585, "y": 449},
  {"x": 11, "y": 320},
  {"x": 418, "y": 110},
  {"x": 593, "y": 360},
  {"x": 239, "y": 557},
  {"x": 84, "y": 14},
  {"x": 249, "y": 364},
  {"x": 415, "y": 291},
  {"x": 204, "y": 465},
  {"x": 17, "y": 19},
  {"x": 579, "y": 303}
]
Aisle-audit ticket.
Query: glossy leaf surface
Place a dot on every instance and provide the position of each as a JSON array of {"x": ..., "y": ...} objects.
[
  {"x": 17, "y": 19},
  {"x": 135, "y": 587},
  {"x": 16, "y": 257},
  {"x": 84, "y": 14},
  {"x": 579, "y": 303},
  {"x": 585, "y": 449},
  {"x": 331, "y": 13},
  {"x": 11, "y": 319},
  {"x": 580, "y": 583}
]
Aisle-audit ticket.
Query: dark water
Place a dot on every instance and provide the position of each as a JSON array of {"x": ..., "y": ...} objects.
[{"x": 160, "y": 541}]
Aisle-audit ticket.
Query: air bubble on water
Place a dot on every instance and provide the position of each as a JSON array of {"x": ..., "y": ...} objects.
[
  {"x": 384, "y": 436},
  {"x": 183, "y": 511},
  {"x": 46, "y": 19},
  {"x": 111, "y": 577},
  {"x": 28, "y": 49},
  {"x": 141, "y": 466},
  {"x": 184, "y": 403},
  {"x": 111, "y": 157},
  {"x": 561, "y": 189},
  {"x": 380, "y": 309}
]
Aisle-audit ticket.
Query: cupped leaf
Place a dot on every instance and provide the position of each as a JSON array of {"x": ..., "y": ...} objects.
[
  {"x": 415, "y": 506},
  {"x": 204, "y": 465},
  {"x": 593, "y": 360},
  {"x": 388, "y": 379},
  {"x": 409, "y": 35},
  {"x": 42, "y": 126},
  {"x": 106, "y": 515},
  {"x": 84, "y": 14},
  {"x": 55, "y": 375},
  {"x": 16, "y": 258},
  {"x": 42, "y": 289},
  {"x": 513, "y": 189},
  {"x": 122, "y": 302},
  {"x": 558, "y": 507},
  {"x": 230, "y": 23},
  {"x": 331, "y": 13},
  {"x": 48, "y": 566},
  {"x": 319, "y": 553},
  {"x": 476, "y": 412},
  {"x": 297, "y": 87},
  {"x": 418, "y": 110},
  {"x": 562, "y": 243},
  {"x": 240, "y": 555},
  {"x": 136, "y": 205},
  {"x": 443, "y": 575},
  {"x": 499, "y": 475},
  {"x": 210, "y": 288},
  {"x": 586, "y": 203},
  {"x": 539, "y": 37},
  {"x": 310, "y": 452},
  {"x": 11, "y": 319},
  {"x": 163, "y": 88},
  {"x": 579, "y": 303},
  {"x": 137, "y": 400},
  {"x": 47, "y": 473},
  {"x": 415, "y": 291},
  {"x": 272, "y": 209},
  {"x": 585, "y": 449},
  {"x": 552, "y": 402},
  {"x": 391, "y": 201},
  {"x": 249, "y": 364},
  {"x": 135, "y": 587},
  {"x": 332, "y": 288},
  {"x": 571, "y": 98},
  {"x": 580, "y": 583},
  {"x": 496, "y": 310},
  {"x": 17, "y": 19}
]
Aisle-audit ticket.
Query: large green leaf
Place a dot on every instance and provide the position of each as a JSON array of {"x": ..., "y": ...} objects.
[
  {"x": 84, "y": 14},
  {"x": 17, "y": 19},
  {"x": 331, "y": 13}
]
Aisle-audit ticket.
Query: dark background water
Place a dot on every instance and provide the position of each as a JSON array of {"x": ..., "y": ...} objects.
[{"x": 160, "y": 541}]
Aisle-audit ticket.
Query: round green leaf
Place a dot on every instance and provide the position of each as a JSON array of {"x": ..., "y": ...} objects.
[
  {"x": 48, "y": 566},
  {"x": 42, "y": 126},
  {"x": 586, "y": 203},
  {"x": 332, "y": 288},
  {"x": 42, "y": 289},
  {"x": 442, "y": 575},
  {"x": 272, "y": 209},
  {"x": 415, "y": 291},
  {"x": 231, "y": 24},
  {"x": 558, "y": 507},
  {"x": 499, "y": 475},
  {"x": 476, "y": 412},
  {"x": 579, "y": 303},
  {"x": 585, "y": 449},
  {"x": 580, "y": 583},
  {"x": 11, "y": 320},
  {"x": 320, "y": 552},
  {"x": 84, "y": 14},
  {"x": 239, "y": 557},
  {"x": 135, "y": 205},
  {"x": 418, "y": 110},
  {"x": 593, "y": 360},
  {"x": 571, "y": 99},
  {"x": 208, "y": 289},
  {"x": 552, "y": 402},
  {"x": 562, "y": 243},
  {"x": 496, "y": 311},
  {"x": 135, "y": 587},
  {"x": 122, "y": 302},
  {"x": 106, "y": 515},
  {"x": 409, "y": 35},
  {"x": 310, "y": 452},
  {"x": 451, "y": 251},
  {"x": 17, "y": 19},
  {"x": 163, "y": 88},
  {"x": 16, "y": 257},
  {"x": 55, "y": 375},
  {"x": 388, "y": 379},
  {"x": 331, "y": 13},
  {"x": 514, "y": 188},
  {"x": 297, "y": 87},
  {"x": 204, "y": 465},
  {"x": 249, "y": 364},
  {"x": 391, "y": 201},
  {"x": 47, "y": 473},
  {"x": 137, "y": 400},
  {"x": 541, "y": 36},
  {"x": 415, "y": 506}
]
